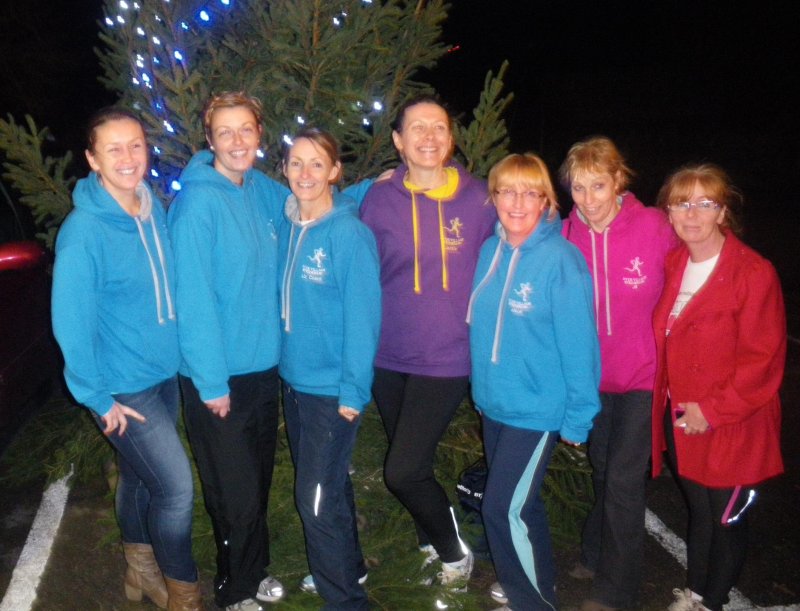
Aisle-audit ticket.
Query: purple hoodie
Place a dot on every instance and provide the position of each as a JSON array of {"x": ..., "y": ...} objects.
[
  {"x": 626, "y": 262},
  {"x": 426, "y": 282}
]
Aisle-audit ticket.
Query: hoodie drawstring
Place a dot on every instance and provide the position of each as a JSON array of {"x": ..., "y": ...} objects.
[
  {"x": 153, "y": 272},
  {"x": 417, "y": 246},
  {"x": 594, "y": 280},
  {"x": 512, "y": 268}
]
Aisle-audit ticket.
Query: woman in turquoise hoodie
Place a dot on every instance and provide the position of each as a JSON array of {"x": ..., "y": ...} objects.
[
  {"x": 224, "y": 226},
  {"x": 330, "y": 308},
  {"x": 114, "y": 319},
  {"x": 535, "y": 369}
]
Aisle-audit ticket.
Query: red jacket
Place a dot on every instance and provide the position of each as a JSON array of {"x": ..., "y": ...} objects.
[{"x": 726, "y": 351}]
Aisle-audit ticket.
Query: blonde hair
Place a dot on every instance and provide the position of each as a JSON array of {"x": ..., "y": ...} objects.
[
  {"x": 525, "y": 169},
  {"x": 598, "y": 155}
]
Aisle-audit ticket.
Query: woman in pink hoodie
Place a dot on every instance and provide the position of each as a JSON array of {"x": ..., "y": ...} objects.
[{"x": 625, "y": 245}]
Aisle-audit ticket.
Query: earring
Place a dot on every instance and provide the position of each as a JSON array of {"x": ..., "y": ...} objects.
[{"x": 211, "y": 147}]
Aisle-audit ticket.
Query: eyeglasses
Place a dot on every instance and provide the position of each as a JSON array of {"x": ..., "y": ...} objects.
[
  {"x": 704, "y": 205},
  {"x": 509, "y": 195}
]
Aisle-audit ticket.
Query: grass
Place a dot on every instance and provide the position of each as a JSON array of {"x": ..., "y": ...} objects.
[{"x": 62, "y": 436}]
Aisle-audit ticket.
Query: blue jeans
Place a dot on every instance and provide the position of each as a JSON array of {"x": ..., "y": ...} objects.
[
  {"x": 514, "y": 514},
  {"x": 154, "y": 492},
  {"x": 321, "y": 442}
]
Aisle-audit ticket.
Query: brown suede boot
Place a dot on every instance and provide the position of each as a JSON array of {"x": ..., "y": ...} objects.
[
  {"x": 143, "y": 575},
  {"x": 184, "y": 595}
]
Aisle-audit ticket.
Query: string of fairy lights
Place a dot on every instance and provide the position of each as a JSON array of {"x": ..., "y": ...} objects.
[{"x": 157, "y": 46}]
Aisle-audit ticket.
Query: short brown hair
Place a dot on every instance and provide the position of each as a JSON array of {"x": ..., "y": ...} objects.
[
  {"x": 231, "y": 99},
  {"x": 323, "y": 140}
]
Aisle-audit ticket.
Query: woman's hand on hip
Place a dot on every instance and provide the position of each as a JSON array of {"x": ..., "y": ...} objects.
[
  {"x": 117, "y": 418},
  {"x": 693, "y": 422}
]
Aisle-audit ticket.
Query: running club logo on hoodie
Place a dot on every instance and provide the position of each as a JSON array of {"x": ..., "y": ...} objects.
[
  {"x": 453, "y": 239},
  {"x": 318, "y": 271},
  {"x": 636, "y": 268},
  {"x": 522, "y": 305}
]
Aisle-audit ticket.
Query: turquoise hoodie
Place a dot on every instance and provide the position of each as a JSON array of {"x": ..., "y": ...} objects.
[
  {"x": 225, "y": 239},
  {"x": 535, "y": 353},
  {"x": 112, "y": 296},
  {"x": 330, "y": 303}
]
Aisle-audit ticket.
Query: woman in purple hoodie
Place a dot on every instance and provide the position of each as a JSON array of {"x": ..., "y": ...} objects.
[
  {"x": 429, "y": 221},
  {"x": 624, "y": 244}
]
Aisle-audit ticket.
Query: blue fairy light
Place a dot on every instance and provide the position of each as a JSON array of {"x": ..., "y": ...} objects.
[
  {"x": 225, "y": 2},
  {"x": 154, "y": 173},
  {"x": 123, "y": 5},
  {"x": 365, "y": 122},
  {"x": 184, "y": 26},
  {"x": 156, "y": 150},
  {"x": 204, "y": 16},
  {"x": 336, "y": 21},
  {"x": 156, "y": 40},
  {"x": 176, "y": 186},
  {"x": 135, "y": 81},
  {"x": 169, "y": 127},
  {"x": 260, "y": 154},
  {"x": 109, "y": 22},
  {"x": 156, "y": 61},
  {"x": 145, "y": 77},
  {"x": 287, "y": 139},
  {"x": 178, "y": 55},
  {"x": 120, "y": 19},
  {"x": 377, "y": 106},
  {"x": 301, "y": 120},
  {"x": 140, "y": 31}
]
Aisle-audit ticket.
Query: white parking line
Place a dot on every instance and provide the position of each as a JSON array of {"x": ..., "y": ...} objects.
[
  {"x": 32, "y": 561},
  {"x": 677, "y": 549}
]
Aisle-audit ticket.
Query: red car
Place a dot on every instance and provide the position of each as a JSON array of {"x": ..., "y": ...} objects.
[{"x": 28, "y": 353}]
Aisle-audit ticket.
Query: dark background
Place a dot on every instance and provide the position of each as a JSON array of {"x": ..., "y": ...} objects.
[{"x": 670, "y": 81}]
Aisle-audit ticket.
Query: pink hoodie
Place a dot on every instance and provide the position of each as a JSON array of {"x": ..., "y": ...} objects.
[{"x": 626, "y": 262}]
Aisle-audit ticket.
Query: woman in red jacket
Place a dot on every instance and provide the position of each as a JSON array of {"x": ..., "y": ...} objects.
[{"x": 720, "y": 331}]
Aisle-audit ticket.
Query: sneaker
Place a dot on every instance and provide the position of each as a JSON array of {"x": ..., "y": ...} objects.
[
  {"x": 457, "y": 573},
  {"x": 308, "y": 585},
  {"x": 270, "y": 590},
  {"x": 581, "y": 571},
  {"x": 431, "y": 555},
  {"x": 498, "y": 594},
  {"x": 248, "y": 604},
  {"x": 685, "y": 600}
]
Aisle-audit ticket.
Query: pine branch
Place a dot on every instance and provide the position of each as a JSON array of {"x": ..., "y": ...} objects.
[
  {"x": 39, "y": 179},
  {"x": 485, "y": 141}
]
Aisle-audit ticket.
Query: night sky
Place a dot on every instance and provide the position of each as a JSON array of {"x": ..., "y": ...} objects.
[{"x": 671, "y": 82}]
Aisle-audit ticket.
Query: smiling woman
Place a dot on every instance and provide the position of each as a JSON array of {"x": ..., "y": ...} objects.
[{"x": 114, "y": 319}]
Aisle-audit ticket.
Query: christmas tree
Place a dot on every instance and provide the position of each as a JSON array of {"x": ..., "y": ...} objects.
[{"x": 345, "y": 66}]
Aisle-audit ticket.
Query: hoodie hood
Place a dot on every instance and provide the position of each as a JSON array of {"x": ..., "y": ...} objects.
[
  {"x": 91, "y": 196},
  {"x": 200, "y": 171},
  {"x": 342, "y": 204}
]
